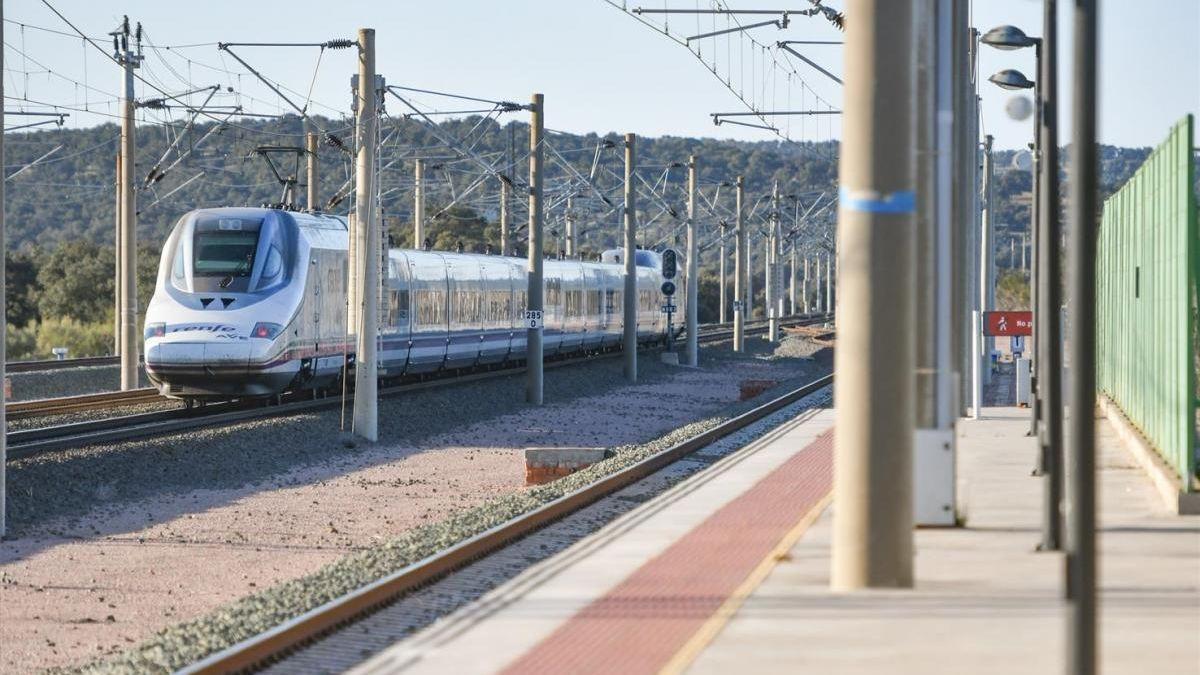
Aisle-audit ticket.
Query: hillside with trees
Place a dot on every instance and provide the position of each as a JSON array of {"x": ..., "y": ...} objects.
[{"x": 61, "y": 219}]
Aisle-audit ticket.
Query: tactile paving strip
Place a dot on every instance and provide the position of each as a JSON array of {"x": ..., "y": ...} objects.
[{"x": 642, "y": 623}]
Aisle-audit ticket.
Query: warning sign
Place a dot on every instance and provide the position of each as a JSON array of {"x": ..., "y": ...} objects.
[{"x": 1008, "y": 323}]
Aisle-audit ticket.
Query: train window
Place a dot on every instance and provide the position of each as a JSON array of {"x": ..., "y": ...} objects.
[
  {"x": 431, "y": 307},
  {"x": 522, "y": 305},
  {"x": 397, "y": 310},
  {"x": 272, "y": 267},
  {"x": 593, "y": 302},
  {"x": 178, "y": 273}
]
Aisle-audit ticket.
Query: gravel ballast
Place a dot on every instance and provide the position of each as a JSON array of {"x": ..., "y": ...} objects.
[
  {"x": 68, "y": 382},
  {"x": 279, "y": 503}
]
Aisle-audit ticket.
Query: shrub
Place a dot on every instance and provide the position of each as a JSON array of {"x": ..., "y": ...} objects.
[{"x": 82, "y": 339}]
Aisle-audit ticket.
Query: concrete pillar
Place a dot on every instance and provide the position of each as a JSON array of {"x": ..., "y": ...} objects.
[
  {"x": 873, "y": 521},
  {"x": 127, "y": 244},
  {"x": 693, "y": 270},
  {"x": 505, "y": 198},
  {"x": 366, "y": 399},
  {"x": 310, "y": 143},
  {"x": 419, "y": 204},
  {"x": 630, "y": 296},
  {"x": 740, "y": 307},
  {"x": 721, "y": 265},
  {"x": 572, "y": 235},
  {"x": 537, "y": 220}
]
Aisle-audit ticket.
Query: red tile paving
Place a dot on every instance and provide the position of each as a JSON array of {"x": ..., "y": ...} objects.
[{"x": 639, "y": 625}]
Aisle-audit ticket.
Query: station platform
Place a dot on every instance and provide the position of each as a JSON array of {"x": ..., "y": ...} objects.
[{"x": 729, "y": 572}]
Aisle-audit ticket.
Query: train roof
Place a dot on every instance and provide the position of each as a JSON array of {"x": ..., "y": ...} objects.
[{"x": 302, "y": 218}]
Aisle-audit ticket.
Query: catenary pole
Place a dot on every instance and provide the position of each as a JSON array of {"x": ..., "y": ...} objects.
[
  {"x": 419, "y": 204},
  {"x": 4, "y": 304},
  {"x": 773, "y": 276},
  {"x": 829, "y": 299},
  {"x": 723, "y": 253},
  {"x": 792, "y": 278},
  {"x": 873, "y": 521},
  {"x": 572, "y": 242},
  {"x": 310, "y": 140},
  {"x": 1081, "y": 532},
  {"x": 987, "y": 255},
  {"x": 693, "y": 269},
  {"x": 127, "y": 245},
  {"x": 366, "y": 399},
  {"x": 1049, "y": 329},
  {"x": 805, "y": 294},
  {"x": 535, "y": 289},
  {"x": 630, "y": 299},
  {"x": 117, "y": 255},
  {"x": 505, "y": 215},
  {"x": 739, "y": 271},
  {"x": 768, "y": 263},
  {"x": 820, "y": 294}
]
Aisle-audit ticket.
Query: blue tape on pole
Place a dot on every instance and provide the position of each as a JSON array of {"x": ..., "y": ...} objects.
[{"x": 869, "y": 201}]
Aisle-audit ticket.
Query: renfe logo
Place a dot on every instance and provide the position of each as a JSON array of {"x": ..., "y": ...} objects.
[{"x": 218, "y": 330}]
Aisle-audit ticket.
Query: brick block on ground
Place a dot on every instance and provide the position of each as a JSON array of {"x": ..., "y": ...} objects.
[
  {"x": 543, "y": 465},
  {"x": 750, "y": 388}
]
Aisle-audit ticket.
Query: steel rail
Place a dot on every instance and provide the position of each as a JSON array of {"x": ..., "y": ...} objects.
[
  {"x": 334, "y": 614},
  {"x": 31, "y": 442},
  {"x": 60, "y": 364},
  {"x": 66, "y": 404}
]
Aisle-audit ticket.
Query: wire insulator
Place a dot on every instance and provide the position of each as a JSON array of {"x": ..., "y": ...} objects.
[{"x": 340, "y": 44}]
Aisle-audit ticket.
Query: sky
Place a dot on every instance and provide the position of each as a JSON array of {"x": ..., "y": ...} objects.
[{"x": 599, "y": 69}]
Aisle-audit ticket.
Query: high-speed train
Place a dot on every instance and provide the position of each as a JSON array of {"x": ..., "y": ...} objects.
[{"x": 253, "y": 302}]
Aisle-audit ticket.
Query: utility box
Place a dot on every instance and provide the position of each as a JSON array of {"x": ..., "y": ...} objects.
[
  {"x": 934, "y": 499},
  {"x": 1024, "y": 372}
]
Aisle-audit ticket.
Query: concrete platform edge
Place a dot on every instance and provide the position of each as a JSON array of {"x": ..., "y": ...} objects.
[{"x": 1162, "y": 476}]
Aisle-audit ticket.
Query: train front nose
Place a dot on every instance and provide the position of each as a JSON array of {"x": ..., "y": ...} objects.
[{"x": 190, "y": 366}]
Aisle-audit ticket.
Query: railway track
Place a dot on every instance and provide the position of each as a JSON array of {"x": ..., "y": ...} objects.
[
  {"x": 60, "y": 364},
  {"x": 343, "y": 612},
  {"x": 67, "y": 404},
  {"x": 31, "y": 442}
]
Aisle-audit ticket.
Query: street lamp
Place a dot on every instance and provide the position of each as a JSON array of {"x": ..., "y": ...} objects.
[
  {"x": 1008, "y": 38},
  {"x": 1012, "y": 80},
  {"x": 1047, "y": 408}
]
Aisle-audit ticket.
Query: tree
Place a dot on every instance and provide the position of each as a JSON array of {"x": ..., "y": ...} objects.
[
  {"x": 76, "y": 281},
  {"x": 20, "y": 277}
]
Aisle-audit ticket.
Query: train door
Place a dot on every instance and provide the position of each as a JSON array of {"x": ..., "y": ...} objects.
[
  {"x": 465, "y": 282},
  {"x": 497, "y": 312},
  {"x": 518, "y": 289},
  {"x": 552, "y": 304},
  {"x": 593, "y": 300},
  {"x": 429, "y": 310},
  {"x": 572, "y": 298},
  {"x": 395, "y": 329}
]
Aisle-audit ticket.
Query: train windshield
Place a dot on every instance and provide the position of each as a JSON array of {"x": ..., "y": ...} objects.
[
  {"x": 232, "y": 253},
  {"x": 224, "y": 253}
]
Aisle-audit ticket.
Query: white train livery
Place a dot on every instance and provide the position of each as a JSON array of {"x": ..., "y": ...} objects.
[{"x": 253, "y": 302}]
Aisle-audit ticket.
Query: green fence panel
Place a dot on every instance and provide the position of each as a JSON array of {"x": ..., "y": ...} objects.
[{"x": 1146, "y": 274}]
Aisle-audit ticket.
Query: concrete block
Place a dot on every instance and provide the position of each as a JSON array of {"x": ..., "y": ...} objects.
[
  {"x": 669, "y": 358},
  {"x": 1166, "y": 481},
  {"x": 543, "y": 465}
]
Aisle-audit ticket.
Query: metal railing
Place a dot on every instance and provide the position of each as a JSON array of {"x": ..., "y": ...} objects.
[{"x": 1146, "y": 275}]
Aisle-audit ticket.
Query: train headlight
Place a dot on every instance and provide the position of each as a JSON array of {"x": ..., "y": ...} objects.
[
  {"x": 154, "y": 330},
  {"x": 266, "y": 330}
]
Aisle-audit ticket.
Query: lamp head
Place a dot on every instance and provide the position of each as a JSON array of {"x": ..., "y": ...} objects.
[
  {"x": 1011, "y": 79},
  {"x": 1007, "y": 37}
]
